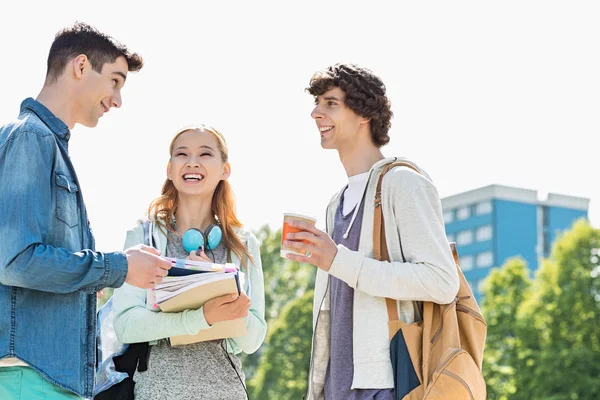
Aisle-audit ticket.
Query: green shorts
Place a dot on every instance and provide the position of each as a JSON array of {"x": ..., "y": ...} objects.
[{"x": 24, "y": 383}]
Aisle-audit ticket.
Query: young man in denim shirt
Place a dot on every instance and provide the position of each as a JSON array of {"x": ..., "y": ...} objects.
[{"x": 49, "y": 269}]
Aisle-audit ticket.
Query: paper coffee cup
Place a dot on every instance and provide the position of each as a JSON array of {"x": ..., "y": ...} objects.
[{"x": 287, "y": 217}]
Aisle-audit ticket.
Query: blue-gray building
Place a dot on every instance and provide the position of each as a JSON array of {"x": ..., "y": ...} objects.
[{"x": 494, "y": 223}]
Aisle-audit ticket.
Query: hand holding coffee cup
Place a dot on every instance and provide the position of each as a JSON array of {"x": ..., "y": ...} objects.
[
  {"x": 287, "y": 219},
  {"x": 303, "y": 242}
]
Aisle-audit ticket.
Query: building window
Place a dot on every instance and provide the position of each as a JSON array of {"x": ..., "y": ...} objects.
[
  {"x": 547, "y": 244},
  {"x": 463, "y": 213},
  {"x": 485, "y": 259},
  {"x": 464, "y": 238},
  {"x": 448, "y": 216},
  {"x": 466, "y": 263},
  {"x": 485, "y": 207},
  {"x": 450, "y": 237},
  {"x": 483, "y": 233}
]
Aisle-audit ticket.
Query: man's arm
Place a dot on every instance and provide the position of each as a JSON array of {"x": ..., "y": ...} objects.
[
  {"x": 25, "y": 215},
  {"x": 429, "y": 273}
]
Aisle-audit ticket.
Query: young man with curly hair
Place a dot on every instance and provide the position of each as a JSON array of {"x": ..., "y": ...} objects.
[{"x": 351, "y": 350}]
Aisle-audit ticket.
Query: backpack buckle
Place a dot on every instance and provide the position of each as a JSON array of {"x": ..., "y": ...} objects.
[
  {"x": 458, "y": 299},
  {"x": 377, "y": 199}
]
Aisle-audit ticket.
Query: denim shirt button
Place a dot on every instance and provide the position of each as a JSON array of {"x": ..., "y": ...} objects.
[{"x": 90, "y": 364}]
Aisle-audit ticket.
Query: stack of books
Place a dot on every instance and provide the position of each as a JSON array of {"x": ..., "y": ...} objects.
[{"x": 189, "y": 285}]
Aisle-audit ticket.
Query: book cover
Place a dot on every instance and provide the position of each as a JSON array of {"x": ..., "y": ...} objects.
[{"x": 185, "y": 293}]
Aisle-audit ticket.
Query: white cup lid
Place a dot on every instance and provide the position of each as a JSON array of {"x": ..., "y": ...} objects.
[{"x": 300, "y": 216}]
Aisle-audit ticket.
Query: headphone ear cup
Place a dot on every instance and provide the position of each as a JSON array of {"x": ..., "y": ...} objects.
[
  {"x": 213, "y": 235},
  {"x": 192, "y": 240}
]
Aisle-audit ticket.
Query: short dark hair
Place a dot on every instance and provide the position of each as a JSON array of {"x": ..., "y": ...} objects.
[
  {"x": 365, "y": 95},
  {"x": 99, "y": 48}
]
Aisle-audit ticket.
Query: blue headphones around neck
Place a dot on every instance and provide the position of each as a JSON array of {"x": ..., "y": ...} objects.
[{"x": 194, "y": 238}]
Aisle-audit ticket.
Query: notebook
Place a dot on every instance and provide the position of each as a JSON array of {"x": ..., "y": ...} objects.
[{"x": 182, "y": 290}]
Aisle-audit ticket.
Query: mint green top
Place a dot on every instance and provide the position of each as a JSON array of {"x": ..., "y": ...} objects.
[{"x": 135, "y": 321}]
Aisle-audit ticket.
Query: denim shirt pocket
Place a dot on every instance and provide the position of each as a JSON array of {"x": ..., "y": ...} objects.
[{"x": 66, "y": 199}]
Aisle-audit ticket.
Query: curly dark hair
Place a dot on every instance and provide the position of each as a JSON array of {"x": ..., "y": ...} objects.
[
  {"x": 81, "y": 38},
  {"x": 365, "y": 95}
]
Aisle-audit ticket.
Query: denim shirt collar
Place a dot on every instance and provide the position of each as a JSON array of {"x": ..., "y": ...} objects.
[{"x": 59, "y": 128}]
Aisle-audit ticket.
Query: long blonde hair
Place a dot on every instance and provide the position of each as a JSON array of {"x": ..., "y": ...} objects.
[{"x": 164, "y": 207}]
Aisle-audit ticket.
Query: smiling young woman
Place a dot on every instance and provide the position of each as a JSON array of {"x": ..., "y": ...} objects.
[{"x": 195, "y": 196}]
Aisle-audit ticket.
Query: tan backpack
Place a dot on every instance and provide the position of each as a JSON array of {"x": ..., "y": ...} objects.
[{"x": 446, "y": 347}]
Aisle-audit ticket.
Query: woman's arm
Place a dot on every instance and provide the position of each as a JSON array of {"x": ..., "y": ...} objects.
[
  {"x": 135, "y": 323},
  {"x": 255, "y": 321}
]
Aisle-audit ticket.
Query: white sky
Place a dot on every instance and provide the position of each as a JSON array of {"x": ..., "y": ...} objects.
[{"x": 483, "y": 92}]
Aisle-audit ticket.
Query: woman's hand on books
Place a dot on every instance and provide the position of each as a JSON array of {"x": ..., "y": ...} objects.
[
  {"x": 198, "y": 256},
  {"x": 225, "y": 308}
]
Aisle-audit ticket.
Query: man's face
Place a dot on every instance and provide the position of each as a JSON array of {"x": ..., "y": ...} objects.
[
  {"x": 100, "y": 91},
  {"x": 338, "y": 124}
]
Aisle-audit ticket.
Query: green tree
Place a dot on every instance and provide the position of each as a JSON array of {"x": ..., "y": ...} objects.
[
  {"x": 504, "y": 291},
  {"x": 284, "y": 281},
  {"x": 283, "y": 370},
  {"x": 564, "y": 310}
]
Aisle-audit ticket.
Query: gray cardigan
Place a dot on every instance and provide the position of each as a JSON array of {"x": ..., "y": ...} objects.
[{"x": 411, "y": 208}]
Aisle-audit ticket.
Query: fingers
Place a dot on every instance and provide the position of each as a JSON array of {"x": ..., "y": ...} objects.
[
  {"x": 222, "y": 300},
  {"x": 225, "y": 308},
  {"x": 300, "y": 246},
  {"x": 302, "y": 259},
  {"x": 199, "y": 255},
  {"x": 161, "y": 263},
  {"x": 297, "y": 257},
  {"x": 150, "y": 283},
  {"x": 321, "y": 255},
  {"x": 242, "y": 305},
  {"x": 145, "y": 269},
  {"x": 161, "y": 272},
  {"x": 305, "y": 226},
  {"x": 156, "y": 281},
  {"x": 299, "y": 236},
  {"x": 204, "y": 256},
  {"x": 149, "y": 249}
]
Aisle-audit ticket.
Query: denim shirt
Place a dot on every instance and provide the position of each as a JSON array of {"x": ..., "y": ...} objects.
[{"x": 49, "y": 269}]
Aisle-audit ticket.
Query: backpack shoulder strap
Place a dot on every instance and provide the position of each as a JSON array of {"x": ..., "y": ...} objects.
[
  {"x": 380, "y": 250},
  {"x": 387, "y": 168},
  {"x": 379, "y": 244}
]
